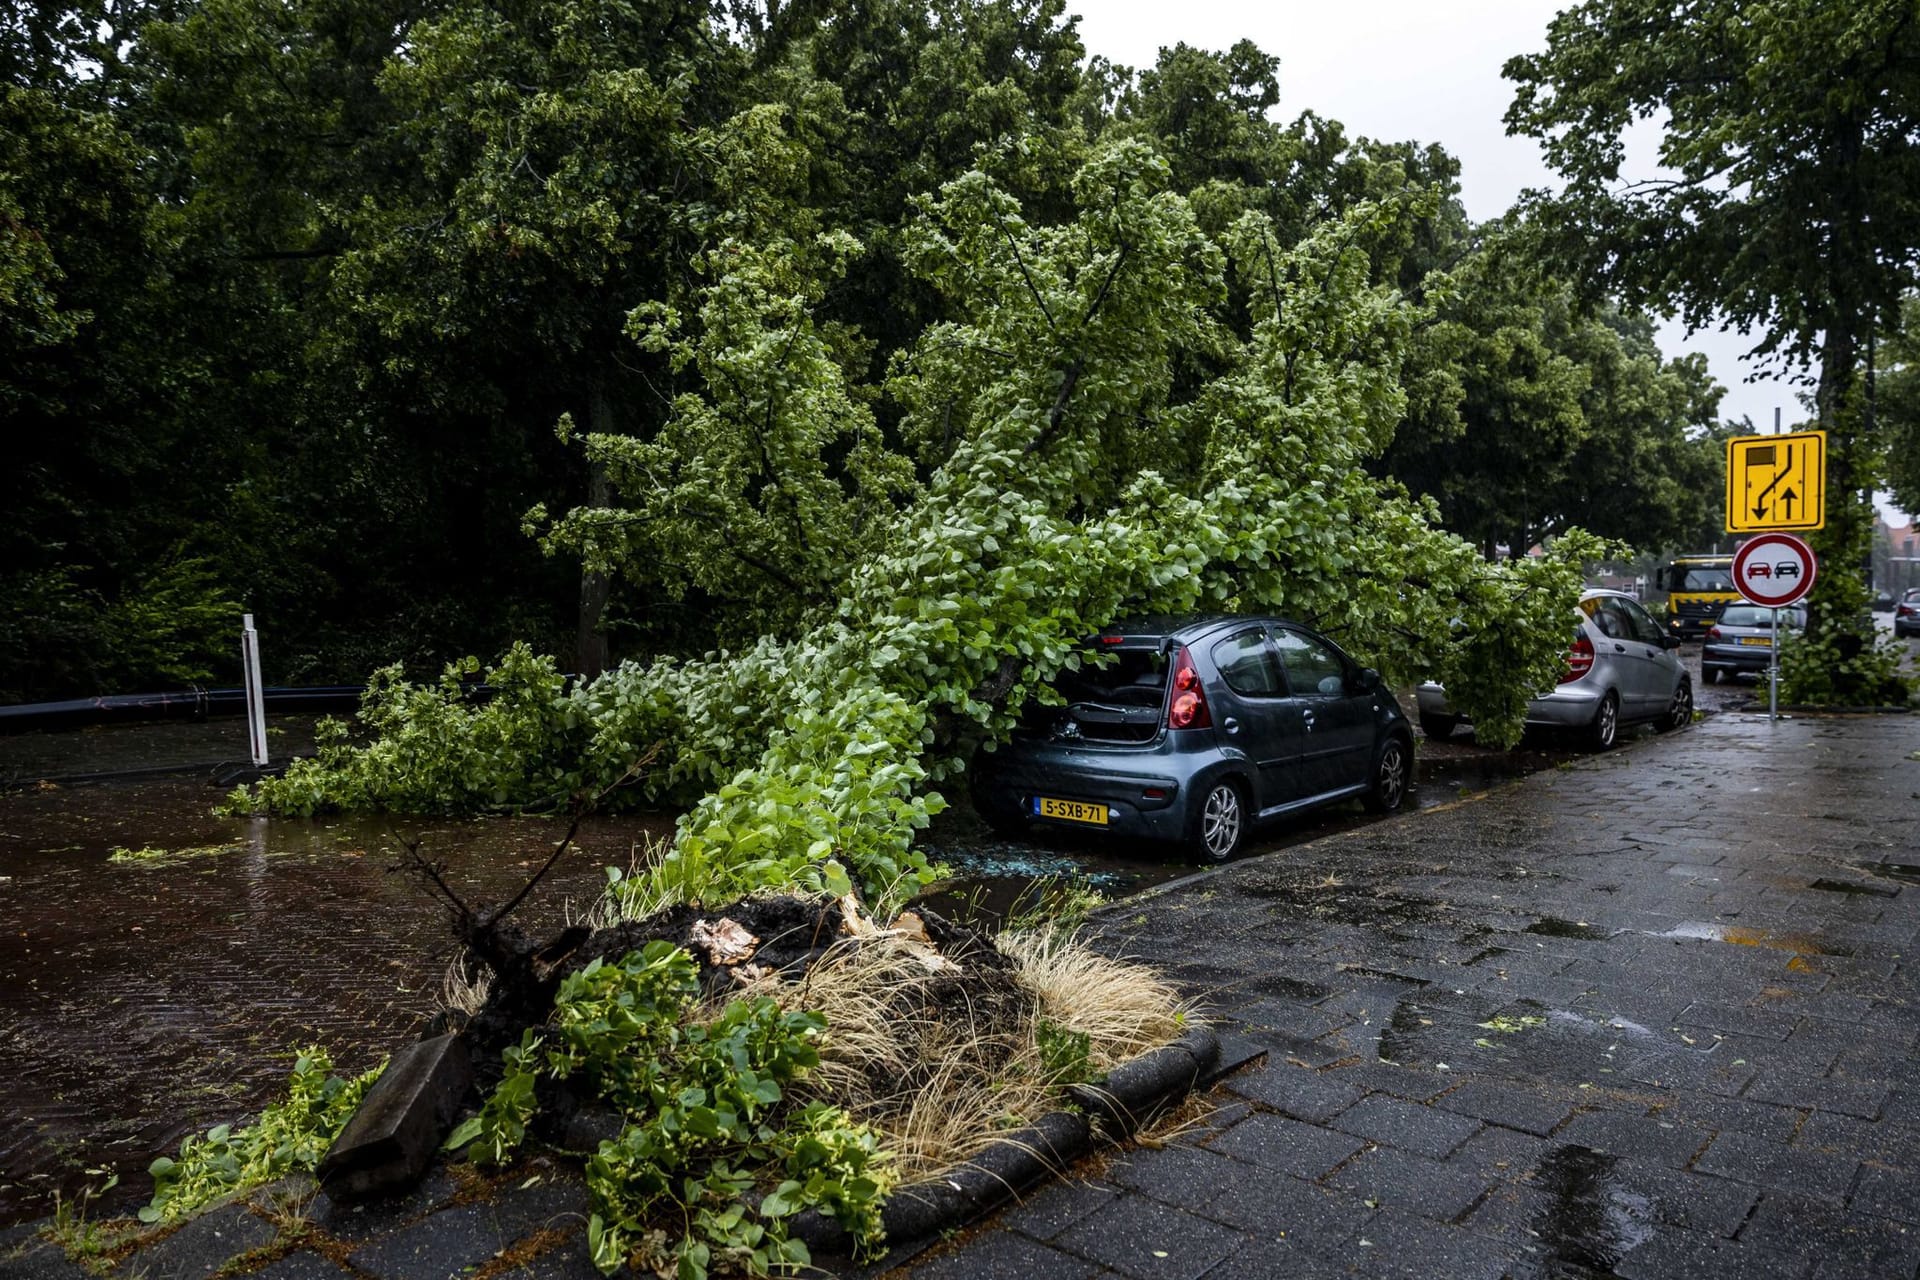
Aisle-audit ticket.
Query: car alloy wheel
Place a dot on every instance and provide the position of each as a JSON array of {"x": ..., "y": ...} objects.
[
  {"x": 1606, "y": 723},
  {"x": 1680, "y": 714},
  {"x": 1389, "y": 778},
  {"x": 1222, "y": 822}
]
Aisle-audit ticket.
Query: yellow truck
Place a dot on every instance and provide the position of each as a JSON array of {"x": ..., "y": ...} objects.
[{"x": 1697, "y": 588}]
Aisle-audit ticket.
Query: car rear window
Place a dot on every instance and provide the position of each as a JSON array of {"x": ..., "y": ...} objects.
[
  {"x": 1120, "y": 700},
  {"x": 1752, "y": 615},
  {"x": 1247, "y": 665}
]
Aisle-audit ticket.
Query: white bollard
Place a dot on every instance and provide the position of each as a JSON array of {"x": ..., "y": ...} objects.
[{"x": 256, "y": 701}]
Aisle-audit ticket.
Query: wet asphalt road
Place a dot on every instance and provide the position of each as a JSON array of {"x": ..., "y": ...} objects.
[{"x": 1653, "y": 1014}]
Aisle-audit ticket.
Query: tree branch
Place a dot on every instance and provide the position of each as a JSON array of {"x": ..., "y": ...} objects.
[{"x": 1024, "y": 274}]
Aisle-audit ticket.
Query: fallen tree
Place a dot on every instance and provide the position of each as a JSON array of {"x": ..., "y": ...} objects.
[{"x": 1121, "y": 415}]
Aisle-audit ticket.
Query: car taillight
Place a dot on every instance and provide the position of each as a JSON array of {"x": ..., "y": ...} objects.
[
  {"x": 1188, "y": 710},
  {"x": 1713, "y": 633},
  {"x": 1579, "y": 658},
  {"x": 1905, "y": 611}
]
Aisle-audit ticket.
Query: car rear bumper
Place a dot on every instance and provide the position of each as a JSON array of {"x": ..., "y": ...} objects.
[
  {"x": 1143, "y": 792},
  {"x": 1728, "y": 657}
]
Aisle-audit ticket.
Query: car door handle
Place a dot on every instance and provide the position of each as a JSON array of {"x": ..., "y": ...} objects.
[
  {"x": 1230, "y": 725},
  {"x": 1307, "y": 719},
  {"x": 1619, "y": 648}
]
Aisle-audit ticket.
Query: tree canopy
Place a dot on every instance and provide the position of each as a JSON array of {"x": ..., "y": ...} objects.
[
  {"x": 293, "y": 298},
  {"x": 1790, "y": 152}
]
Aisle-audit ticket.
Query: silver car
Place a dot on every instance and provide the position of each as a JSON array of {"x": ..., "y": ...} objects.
[
  {"x": 1742, "y": 640},
  {"x": 1621, "y": 670}
]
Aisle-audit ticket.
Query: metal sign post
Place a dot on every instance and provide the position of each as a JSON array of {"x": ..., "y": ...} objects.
[
  {"x": 1773, "y": 670},
  {"x": 256, "y": 702}
]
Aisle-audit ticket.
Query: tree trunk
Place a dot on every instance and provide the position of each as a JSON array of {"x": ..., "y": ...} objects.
[
  {"x": 590, "y": 647},
  {"x": 1838, "y": 601}
]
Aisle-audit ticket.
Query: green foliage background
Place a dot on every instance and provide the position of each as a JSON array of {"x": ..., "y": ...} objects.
[{"x": 292, "y": 298}]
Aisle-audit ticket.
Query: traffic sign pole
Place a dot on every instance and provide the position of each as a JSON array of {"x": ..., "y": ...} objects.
[{"x": 1773, "y": 671}]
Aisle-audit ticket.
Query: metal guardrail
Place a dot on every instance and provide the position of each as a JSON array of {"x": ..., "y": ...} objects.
[{"x": 179, "y": 704}]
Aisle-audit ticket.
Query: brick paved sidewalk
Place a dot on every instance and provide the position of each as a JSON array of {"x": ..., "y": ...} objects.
[{"x": 1653, "y": 1015}]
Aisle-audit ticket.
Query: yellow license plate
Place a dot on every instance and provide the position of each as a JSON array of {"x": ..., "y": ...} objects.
[
  {"x": 1070, "y": 810},
  {"x": 1756, "y": 640}
]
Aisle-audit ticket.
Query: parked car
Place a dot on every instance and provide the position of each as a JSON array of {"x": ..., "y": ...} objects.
[
  {"x": 1621, "y": 670},
  {"x": 1195, "y": 730},
  {"x": 1906, "y": 614},
  {"x": 1883, "y": 602},
  {"x": 1742, "y": 641}
]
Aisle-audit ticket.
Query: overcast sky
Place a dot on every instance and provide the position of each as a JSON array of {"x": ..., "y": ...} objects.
[{"x": 1427, "y": 70}]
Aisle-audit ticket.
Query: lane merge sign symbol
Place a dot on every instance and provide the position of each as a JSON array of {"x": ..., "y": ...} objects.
[
  {"x": 1777, "y": 482},
  {"x": 1774, "y": 569}
]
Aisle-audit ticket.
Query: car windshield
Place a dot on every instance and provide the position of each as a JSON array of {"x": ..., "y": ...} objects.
[
  {"x": 1753, "y": 615},
  {"x": 1705, "y": 579}
]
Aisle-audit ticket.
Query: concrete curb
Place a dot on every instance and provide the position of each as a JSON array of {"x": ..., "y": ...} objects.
[
  {"x": 1816, "y": 708},
  {"x": 917, "y": 1214}
]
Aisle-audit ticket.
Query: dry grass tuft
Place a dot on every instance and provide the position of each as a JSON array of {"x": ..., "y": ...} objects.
[
  {"x": 1123, "y": 1009},
  {"x": 943, "y": 1062},
  {"x": 938, "y": 1061}
]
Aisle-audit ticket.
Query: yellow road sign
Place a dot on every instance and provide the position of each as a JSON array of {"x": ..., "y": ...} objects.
[{"x": 1777, "y": 482}]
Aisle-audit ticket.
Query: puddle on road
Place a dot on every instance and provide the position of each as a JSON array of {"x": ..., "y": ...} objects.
[
  {"x": 140, "y": 1000},
  {"x": 1854, "y": 888},
  {"x": 1903, "y": 872},
  {"x": 1580, "y": 930},
  {"x": 1348, "y": 905},
  {"x": 1591, "y": 1220},
  {"x": 1799, "y": 944},
  {"x": 1523, "y": 1039}
]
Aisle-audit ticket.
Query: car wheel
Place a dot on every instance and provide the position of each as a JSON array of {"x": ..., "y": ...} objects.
[
  {"x": 1392, "y": 771},
  {"x": 1218, "y": 826},
  {"x": 1439, "y": 728},
  {"x": 1680, "y": 714},
  {"x": 1605, "y": 729}
]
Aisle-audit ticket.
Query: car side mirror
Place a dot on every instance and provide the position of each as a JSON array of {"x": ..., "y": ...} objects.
[
  {"x": 1669, "y": 642},
  {"x": 1368, "y": 680}
]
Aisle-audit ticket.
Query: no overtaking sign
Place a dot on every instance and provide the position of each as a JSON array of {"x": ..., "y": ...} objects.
[{"x": 1774, "y": 569}]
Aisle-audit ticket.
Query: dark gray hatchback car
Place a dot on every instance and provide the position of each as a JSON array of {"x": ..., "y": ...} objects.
[{"x": 1194, "y": 730}]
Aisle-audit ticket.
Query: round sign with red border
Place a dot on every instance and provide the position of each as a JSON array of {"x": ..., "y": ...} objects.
[{"x": 1774, "y": 569}]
